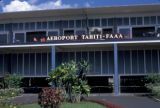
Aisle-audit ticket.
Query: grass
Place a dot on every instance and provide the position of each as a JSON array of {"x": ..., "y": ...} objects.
[{"x": 67, "y": 105}]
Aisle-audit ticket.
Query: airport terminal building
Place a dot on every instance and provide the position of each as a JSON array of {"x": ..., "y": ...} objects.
[{"x": 121, "y": 43}]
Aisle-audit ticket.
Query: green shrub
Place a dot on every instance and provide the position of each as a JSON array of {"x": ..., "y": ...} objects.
[
  {"x": 12, "y": 81},
  {"x": 153, "y": 84}
]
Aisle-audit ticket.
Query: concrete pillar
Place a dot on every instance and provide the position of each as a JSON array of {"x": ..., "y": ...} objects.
[{"x": 116, "y": 75}]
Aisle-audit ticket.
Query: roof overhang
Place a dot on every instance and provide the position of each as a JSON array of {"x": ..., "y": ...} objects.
[{"x": 78, "y": 11}]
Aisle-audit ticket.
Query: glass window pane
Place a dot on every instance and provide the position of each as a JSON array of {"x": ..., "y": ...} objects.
[
  {"x": 125, "y": 21},
  {"x": 84, "y": 23},
  {"x": 105, "y": 63},
  {"x": 26, "y": 64},
  {"x": 104, "y": 22},
  {"x": 154, "y": 61},
  {"x": 139, "y": 21},
  {"x": 65, "y": 24},
  {"x": 148, "y": 61},
  {"x": 119, "y": 21},
  {"x": 3, "y": 38},
  {"x": 71, "y": 23},
  {"x": 71, "y": 56},
  {"x": 26, "y": 26},
  {"x": 90, "y": 22},
  {"x": 111, "y": 62},
  {"x": 15, "y": 26},
  {"x": 125, "y": 32},
  {"x": 19, "y": 38},
  {"x": 50, "y": 24},
  {"x": 32, "y": 64},
  {"x": 32, "y": 26},
  {"x": 121, "y": 62},
  {"x": 44, "y": 25},
  {"x": 91, "y": 62},
  {"x": 80, "y": 32},
  {"x": 127, "y": 62},
  {"x": 110, "y": 21},
  {"x": 20, "y": 26},
  {"x": 53, "y": 33},
  {"x": 39, "y": 26},
  {"x": 134, "y": 62},
  {"x": 78, "y": 23},
  {"x": 44, "y": 64},
  {"x": 153, "y": 19},
  {"x": 97, "y": 22},
  {"x": 20, "y": 64},
  {"x": 141, "y": 62},
  {"x": 57, "y": 24},
  {"x": 146, "y": 20},
  {"x": 133, "y": 21},
  {"x": 1, "y": 66},
  {"x": 14, "y": 64},
  {"x": 68, "y": 32},
  {"x": 97, "y": 62},
  {"x": 1, "y": 27},
  {"x": 158, "y": 18},
  {"x": 38, "y": 64},
  {"x": 7, "y": 27}
]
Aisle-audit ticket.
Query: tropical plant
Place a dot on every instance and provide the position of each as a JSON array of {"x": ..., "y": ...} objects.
[{"x": 71, "y": 76}]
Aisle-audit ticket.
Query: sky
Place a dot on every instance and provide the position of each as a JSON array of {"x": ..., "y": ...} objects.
[{"x": 29, "y": 5}]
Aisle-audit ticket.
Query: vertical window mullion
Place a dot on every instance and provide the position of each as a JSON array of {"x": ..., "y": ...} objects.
[
  {"x": 35, "y": 64},
  {"x": 108, "y": 61},
  {"x": 17, "y": 65},
  {"x": 23, "y": 64},
  {"x": 101, "y": 63},
  {"x": 131, "y": 61}
]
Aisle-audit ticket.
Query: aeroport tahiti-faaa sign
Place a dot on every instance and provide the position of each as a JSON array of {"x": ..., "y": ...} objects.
[
  {"x": 85, "y": 37},
  {"x": 78, "y": 37}
]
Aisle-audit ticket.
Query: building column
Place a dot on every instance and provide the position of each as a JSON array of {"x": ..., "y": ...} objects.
[
  {"x": 116, "y": 75},
  {"x": 53, "y": 57}
]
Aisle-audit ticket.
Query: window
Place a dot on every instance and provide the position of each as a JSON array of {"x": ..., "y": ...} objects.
[
  {"x": 133, "y": 21},
  {"x": 158, "y": 19},
  {"x": 107, "y": 31},
  {"x": 71, "y": 23},
  {"x": 110, "y": 21},
  {"x": 57, "y": 24},
  {"x": 143, "y": 32},
  {"x": 7, "y": 27},
  {"x": 1, "y": 27},
  {"x": 20, "y": 26},
  {"x": 119, "y": 21},
  {"x": 125, "y": 21},
  {"x": 97, "y": 22},
  {"x": 15, "y": 26},
  {"x": 139, "y": 21},
  {"x": 153, "y": 19},
  {"x": 80, "y": 32},
  {"x": 78, "y": 23},
  {"x": 96, "y": 31},
  {"x": 32, "y": 26},
  {"x": 51, "y": 24},
  {"x": 44, "y": 25},
  {"x": 104, "y": 22},
  {"x": 27, "y": 26},
  {"x": 53, "y": 33},
  {"x": 146, "y": 20},
  {"x": 36, "y": 36},
  {"x": 65, "y": 24},
  {"x": 19, "y": 37},
  {"x": 68, "y": 32},
  {"x": 91, "y": 23},
  {"x": 84, "y": 23},
  {"x": 125, "y": 31},
  {"x": 3, "y": 38}
]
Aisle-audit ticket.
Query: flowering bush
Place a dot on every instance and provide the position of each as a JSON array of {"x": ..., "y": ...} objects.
[
  {"x": 50, "y": 97},
  {"x": 11, "y": 92}
]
